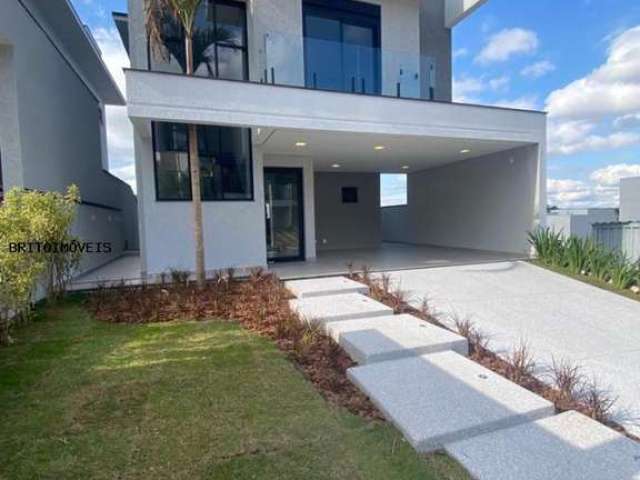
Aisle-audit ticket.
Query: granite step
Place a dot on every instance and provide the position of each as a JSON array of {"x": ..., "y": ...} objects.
[
  {"x": 565, "y": 446},
  {"x": 444, "y": 397},
  {"x": 350, "y": 306},
  {"x": 379, "y": 339},
  {"x": 320, "y": 287}
]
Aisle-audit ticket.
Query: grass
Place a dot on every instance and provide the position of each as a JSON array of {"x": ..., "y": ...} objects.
[
  {"x": 588, "y": 280},
  {"x": 86, "y": 399}
]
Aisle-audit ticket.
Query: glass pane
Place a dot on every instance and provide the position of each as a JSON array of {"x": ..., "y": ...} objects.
[
  {"x": 360, "y": 58},
  {"x": 170, "y": 56},
  {"x": 231, "y": 24},
  {"x": 283, "y": 214},
  {"x": 172, "y": 162},
  {"x": 231, "y": 65},
  {"x": 225, "y": 163},
  {"x": 323, "y": 53}
]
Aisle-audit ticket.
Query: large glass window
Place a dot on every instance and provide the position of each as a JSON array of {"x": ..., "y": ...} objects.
[
  {"x": 225, "y": 162},
  {"x": 342, "y": 45},
  {"x": 219, "y": 42}
]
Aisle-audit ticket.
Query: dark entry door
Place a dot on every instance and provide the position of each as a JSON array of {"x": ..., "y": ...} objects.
[{"x": 284, "y": 212}]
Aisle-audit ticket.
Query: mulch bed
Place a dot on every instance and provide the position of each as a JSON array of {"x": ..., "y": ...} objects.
[{"x": 260, "y": 304}]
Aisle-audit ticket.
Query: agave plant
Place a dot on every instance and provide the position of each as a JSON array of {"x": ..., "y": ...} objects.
[
  {"x": 622, "y": 272},
  {"x": 548, "y": 245},
  {"x": 599, "y": 262},
  {"x": 576, "y": 254}
]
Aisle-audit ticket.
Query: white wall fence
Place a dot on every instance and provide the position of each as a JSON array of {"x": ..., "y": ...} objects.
[{"x": 621, "y": 236}]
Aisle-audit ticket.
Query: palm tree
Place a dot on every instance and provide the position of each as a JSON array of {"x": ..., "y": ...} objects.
[{"x": 184, "y": 12}]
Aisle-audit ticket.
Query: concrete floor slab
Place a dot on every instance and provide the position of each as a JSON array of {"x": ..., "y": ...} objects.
[
  {"x": 566, "y": 446},
  {"x": 444, "y": 397},
  {"x": 370, "y": 340},
  {"x": 318, "y": 287},
  {"x": 386, "y": 257},
  {"x": 557, "y": 316},
  {"x": 338, "y": 307}
]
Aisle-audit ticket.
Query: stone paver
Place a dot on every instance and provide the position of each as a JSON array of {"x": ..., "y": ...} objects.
[
  {"x": 379, "y": 339},
  {"x": 338, "y": 307},
  {"x": 444, "y": 397},
  {"x": 566, "y": 446},
  {"x": 318, "y": 287},
  {"x": 557, "y": 316}
]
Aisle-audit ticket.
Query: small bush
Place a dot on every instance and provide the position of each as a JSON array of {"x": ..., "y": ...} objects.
[
  {"x": 42, "y": 219},
  {"x": 521, "y": 363}
]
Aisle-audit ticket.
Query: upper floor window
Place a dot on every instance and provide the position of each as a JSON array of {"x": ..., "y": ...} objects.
[
  {"x": 342, "y": 45},
  {"x": 219, "y": 42},
  {"x": 225, "y": 162}
]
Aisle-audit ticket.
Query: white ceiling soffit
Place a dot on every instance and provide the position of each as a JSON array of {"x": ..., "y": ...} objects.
[
  {"x": 358, "y": 153},
  {"x": 458, "y": 10}
]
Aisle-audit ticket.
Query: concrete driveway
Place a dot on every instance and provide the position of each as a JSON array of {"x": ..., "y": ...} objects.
[{"x": 557, "y": 316}]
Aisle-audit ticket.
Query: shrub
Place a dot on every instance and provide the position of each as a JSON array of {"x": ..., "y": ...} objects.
[
  {"x": 38, "y": 219},
  {"x": 622, "y": 273},
  {"x": 576, "y": 254},
  {"x": 548, "y": 245}
]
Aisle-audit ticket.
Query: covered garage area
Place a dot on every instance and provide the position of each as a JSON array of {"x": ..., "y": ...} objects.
[{"x": 468, "y": 200}]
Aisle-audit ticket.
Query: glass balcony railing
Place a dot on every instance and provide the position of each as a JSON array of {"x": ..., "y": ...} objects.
[
  {"x": 320, "y": 64},
  {"x": 285, "y": 59}
]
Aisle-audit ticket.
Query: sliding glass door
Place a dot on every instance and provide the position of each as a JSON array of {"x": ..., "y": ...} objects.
[{"x": 342, "y": 46}]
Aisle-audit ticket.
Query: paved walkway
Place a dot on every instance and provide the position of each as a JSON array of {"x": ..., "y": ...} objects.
[
  {"x": 557, "y": 316},
  {"x": 495, "y": 428}
]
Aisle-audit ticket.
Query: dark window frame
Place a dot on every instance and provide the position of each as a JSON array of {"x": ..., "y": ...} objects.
[
  {"x": 251, "y": 196},
  {"x": 244, "y": 48},
  {"x": 339, "y": 10}
]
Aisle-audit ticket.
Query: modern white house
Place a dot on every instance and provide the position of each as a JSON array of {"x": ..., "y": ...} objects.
[
  {"x": 53, "y": 91},
  {"x": 301, "y": 105}
]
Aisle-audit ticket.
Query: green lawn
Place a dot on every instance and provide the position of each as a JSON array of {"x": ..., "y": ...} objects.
[{"x": 83, "y": 399}]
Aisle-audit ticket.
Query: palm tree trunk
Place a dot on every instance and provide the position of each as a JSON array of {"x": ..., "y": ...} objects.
[{"x": 195, "y": 180}]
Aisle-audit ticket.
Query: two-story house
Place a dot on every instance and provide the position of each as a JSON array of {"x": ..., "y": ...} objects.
[{"x": 300, "y": 106}]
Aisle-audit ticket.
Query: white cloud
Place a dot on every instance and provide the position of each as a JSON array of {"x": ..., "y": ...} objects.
[
  {"x": 601, "y": 191},
  {"x": 611, "y": 175},
  {"x": 467, "y": 89},
  {"x": 500, "y": 83},
  {"x": 631, "y": 120},
  {"x": 526, "y": 102},
  {"x": 507, "y": 43},
  {"x": 612, "y": 88},
  {"x": 460, "y": 52},
  {"x": 119, "y": 129},
  {"x": 538, "y": 69},
  {"x": 575, "y": 136},
  {"x": 598, "y": 111}
]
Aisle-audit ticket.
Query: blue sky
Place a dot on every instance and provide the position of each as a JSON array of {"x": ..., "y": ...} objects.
[{"x": 577, "y": 59}]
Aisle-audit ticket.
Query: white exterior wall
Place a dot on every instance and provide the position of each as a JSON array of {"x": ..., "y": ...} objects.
[
  {"x": 234, "y": 232},
  {"x": 347, "y": 225},
  {"x": 580, "y": 224},
  {"x": 630, "y": 199},
  {"x": 50, "y": 133},
  {"x": 485, "y": 203}
]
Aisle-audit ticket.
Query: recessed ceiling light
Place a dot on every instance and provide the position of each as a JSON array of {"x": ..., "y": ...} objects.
[
  {"x": 466, "y": 150},
  {"x": 405, "y": 167},
  {"x": 335, "y": 165},
  {"x": 379, "y": 147},
  {"x": 301, "y": 144}
]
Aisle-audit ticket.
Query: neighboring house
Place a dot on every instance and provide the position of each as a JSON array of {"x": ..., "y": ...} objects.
[
  {"x": 579, "y": 222},
  {"x": 53, "y": 91},
  {"x": 630, "y": 199},
  {"x": 301, "y": 105}
]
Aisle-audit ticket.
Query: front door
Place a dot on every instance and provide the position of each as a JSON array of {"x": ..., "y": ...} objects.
[{"x": 284, "y": 214}]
